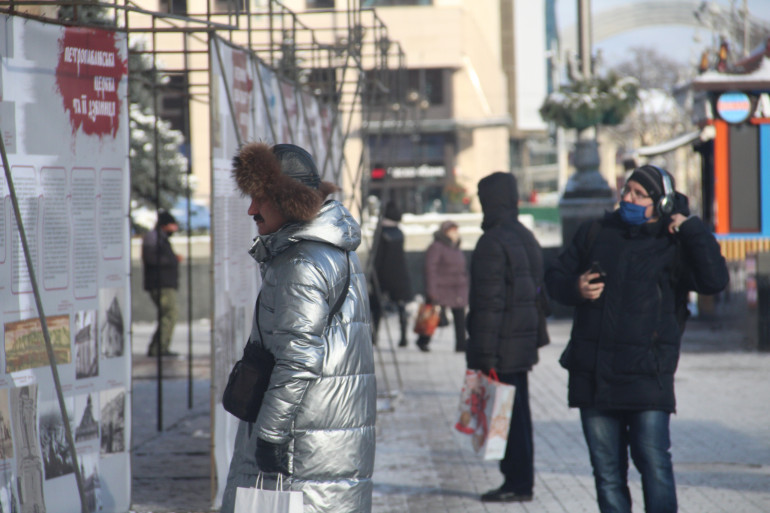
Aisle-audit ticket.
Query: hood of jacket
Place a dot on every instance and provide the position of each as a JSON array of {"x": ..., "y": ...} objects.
[
  {"x": 441, "y": 237},
  {"x": 499, "y": 198},
  {"x": 333, "y": 225}
]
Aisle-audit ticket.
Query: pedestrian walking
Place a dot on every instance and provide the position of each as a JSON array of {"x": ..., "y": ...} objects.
[
  {"x": 446, "y": 280},
  {"x": 627, "y": 276},
  {"x": 504, "y": 321},
  {"x": 393, "y": 279},
  {"x": 161, "y": 280},
  {"x": 317, "y": 419}
]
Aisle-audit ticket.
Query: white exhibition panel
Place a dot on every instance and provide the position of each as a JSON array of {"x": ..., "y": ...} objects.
[{"x": 64, "y": 122}]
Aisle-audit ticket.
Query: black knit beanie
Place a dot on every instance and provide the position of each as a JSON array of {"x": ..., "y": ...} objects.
[{"x": 650, "y": 178}]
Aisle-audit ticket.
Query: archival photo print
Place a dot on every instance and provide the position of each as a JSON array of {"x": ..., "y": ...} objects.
[
  {"x": 113, "y": 420},
  {"x": 89, "y": 470},
  {"x": 6, "y": 439},
  {"x": 87, "y": 423},
  {"x": 86, "y": 350},
  {"x": 9, "y": 502},
  {"x": 25, "y": 345},
  {"x": 29, "y": 468},
  {"x": 57, "y": 456},
  {"x": 111, "y": 334}
]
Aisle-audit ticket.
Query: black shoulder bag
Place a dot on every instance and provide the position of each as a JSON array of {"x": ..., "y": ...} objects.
[{"x": 250, "y": 376}]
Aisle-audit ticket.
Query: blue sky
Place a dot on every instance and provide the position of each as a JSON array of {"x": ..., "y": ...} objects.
[{"x": 678, "y": 42}]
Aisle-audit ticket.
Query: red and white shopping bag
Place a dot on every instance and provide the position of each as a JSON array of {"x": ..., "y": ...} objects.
[{"x": 486, "y": 406}]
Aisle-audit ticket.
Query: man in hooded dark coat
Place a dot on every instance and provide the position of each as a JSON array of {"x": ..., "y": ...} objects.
[{"x": 503, "y": 323}]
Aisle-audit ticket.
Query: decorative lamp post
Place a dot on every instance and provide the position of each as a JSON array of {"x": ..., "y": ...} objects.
[{"x": 585, "y": 103}]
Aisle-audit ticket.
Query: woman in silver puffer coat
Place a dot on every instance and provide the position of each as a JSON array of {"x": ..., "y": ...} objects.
[{"x": 320, "y": 406}]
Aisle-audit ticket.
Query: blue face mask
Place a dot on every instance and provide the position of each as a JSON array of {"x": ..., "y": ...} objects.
[{"x": 633, "y": 214}]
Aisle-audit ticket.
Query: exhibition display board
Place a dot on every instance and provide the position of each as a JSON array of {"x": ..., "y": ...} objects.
[{"x": 64, "y": 123}]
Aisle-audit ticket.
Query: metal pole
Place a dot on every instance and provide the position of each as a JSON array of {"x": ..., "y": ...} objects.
[
  {"x": 186, "y": 109},
  {"x": 44, "y": 326},
  {"x": 584, "y": 37},
  {"x": 159, "y": 349}
]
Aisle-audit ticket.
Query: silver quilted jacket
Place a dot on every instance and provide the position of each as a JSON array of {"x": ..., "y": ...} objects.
[{"x": 322, "y": 393}]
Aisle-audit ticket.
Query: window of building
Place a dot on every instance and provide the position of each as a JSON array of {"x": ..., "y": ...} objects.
[
  {"x": 323, "y": 83},
  {"x": 392, "y": 3},
  {"x": 405, "y": 86},
  {"x": 173, "y": 6},
  {"x": 320, "y": 4}
]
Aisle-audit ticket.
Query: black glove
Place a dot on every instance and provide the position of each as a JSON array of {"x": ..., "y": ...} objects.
[
  {"x": 681, "y": 204},
  {"x": 273, "y": 458}
]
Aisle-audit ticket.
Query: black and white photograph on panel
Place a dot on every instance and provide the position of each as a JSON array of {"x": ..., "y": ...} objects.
[
  {"x": 6, "y": 438},
  {"x": 87, "y": 423},
  {"x": 111, "y": 327},
  {"x": 113, "y": 420},
  {"x": 9, "y": 502},
  {"x": 86, "y": 350},
  {"x": 57, "y": 455},
  {"x": 29, "y": 467},
  {"x": 89, "y": 470}
]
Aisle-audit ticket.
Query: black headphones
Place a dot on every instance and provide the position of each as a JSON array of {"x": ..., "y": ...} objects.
[{"x": 665, "y": 205}]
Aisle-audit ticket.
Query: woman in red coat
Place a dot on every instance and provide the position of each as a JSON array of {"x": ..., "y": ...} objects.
[{"x": 446, "y": 280}]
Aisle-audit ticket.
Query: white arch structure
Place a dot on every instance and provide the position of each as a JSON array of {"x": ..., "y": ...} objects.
[{"x": 617, "y": 20}]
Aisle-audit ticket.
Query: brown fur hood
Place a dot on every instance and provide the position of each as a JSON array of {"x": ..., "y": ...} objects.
[{"x": 257, "y": 172}]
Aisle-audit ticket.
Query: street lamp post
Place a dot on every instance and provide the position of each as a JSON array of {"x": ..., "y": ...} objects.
[{"x": 586, "y": 194}]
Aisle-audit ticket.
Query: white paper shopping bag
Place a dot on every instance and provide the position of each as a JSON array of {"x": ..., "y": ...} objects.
[
  {"x": 486, "y": 406},
  {"x": 260, "y": 500}
]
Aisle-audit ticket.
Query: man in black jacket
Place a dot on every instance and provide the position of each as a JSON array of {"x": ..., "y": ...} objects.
[
  {"x": 627, "y": 276},
  {"x": 161, "y": 280},
  {"x": 503, "y": 322}
]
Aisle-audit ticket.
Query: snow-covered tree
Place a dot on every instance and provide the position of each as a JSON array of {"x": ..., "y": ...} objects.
[{"x": 145, "y": 82}]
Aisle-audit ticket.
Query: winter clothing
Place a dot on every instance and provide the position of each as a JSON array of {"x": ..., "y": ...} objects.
[
  {"x": 506, "y": 271},
  {"x": 161, "y": 280},
  {"x": 321, "y": 401},
  {"x": 390, "y": 263},
  {"x": 650, "y": 178},
  {"x": 166, "y": 218},
  {"x": 446, "y": 281},
  {"x": 392, "y": 272},
  {"x": 446, "y": 273},
  {"x": 161, "y": 266},
  {"x": 283, "y": 174},
  {"x": 624, "y": 347}
]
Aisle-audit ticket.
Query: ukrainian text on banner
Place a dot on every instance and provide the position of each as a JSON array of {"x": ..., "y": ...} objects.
[
  {"x": 234, "y": 100},
  {"x": 64, "y": 122}
]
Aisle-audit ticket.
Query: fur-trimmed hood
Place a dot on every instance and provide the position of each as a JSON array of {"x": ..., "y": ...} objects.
[{"x": 258, "y": 173}]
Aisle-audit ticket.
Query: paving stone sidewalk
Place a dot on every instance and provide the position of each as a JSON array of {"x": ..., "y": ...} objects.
[{"x": 721, "y": 433}]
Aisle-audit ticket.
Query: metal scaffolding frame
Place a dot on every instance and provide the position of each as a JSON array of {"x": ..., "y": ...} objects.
[{"x": 345, "y": 57}]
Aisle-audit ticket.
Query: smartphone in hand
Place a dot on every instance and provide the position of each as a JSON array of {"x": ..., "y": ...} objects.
[{"x": 596, "y": 268}]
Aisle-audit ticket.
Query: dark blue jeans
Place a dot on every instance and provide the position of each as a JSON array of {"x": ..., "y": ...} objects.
[
  {"x": 518, "y": 464},
  {"x": 609, "y": 435}
]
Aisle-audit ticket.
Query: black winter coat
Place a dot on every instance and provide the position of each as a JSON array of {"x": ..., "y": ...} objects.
[
  {"x": 390, "y": 265},
  {"x": 624, "y": 347},
  {"x": 161, "y": 266}
]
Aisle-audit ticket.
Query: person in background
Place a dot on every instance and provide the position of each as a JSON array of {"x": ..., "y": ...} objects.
[
  {"x": 504, "y": 321},
  {"x": 627, "y": 276},
  {"x": 317, "y": 419},
  {"x": 393, "y": 278},
  {"x": 446, "y": 280},
  {"x": 161, "y": 280}
]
